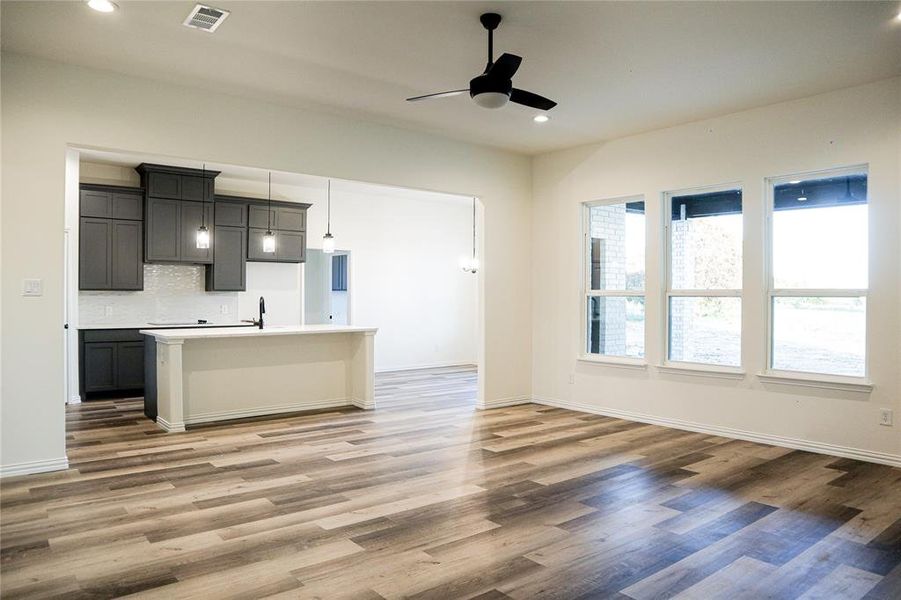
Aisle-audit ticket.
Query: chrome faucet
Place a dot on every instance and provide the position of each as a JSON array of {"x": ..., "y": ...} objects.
[{"x": 258, "y": 323}]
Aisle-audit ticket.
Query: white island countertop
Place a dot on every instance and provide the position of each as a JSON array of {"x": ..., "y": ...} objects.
[{"x": 242, "y": 332}]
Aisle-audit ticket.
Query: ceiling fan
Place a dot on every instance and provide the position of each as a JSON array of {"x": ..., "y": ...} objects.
[{"x": 494, "y": 87}]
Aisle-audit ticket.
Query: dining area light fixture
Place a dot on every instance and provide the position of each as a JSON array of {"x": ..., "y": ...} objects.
[
  {"x": 203, "y": 233},
  {"x": 269, "y": 237},
  {"x": 470, "y": 264},
  {"x": 328, "y": 240}
]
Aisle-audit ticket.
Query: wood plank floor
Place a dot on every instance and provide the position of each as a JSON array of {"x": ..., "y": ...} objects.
[{"x": 426, "y": 497}]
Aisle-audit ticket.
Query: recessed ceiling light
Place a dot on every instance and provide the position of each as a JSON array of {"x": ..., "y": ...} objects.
[
  {"x": 541, "y": 118},
  {"x": 102, "y": 5}
]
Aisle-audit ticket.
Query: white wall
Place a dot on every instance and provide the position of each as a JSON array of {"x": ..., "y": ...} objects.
[
  {"x": 843, "y": 128},
  {"x": 405, "y": 275},
  {"x": 48, "y": 106}
]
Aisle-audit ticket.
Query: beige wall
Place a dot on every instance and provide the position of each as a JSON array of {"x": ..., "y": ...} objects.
[
  {"x": 47, "y": 106},
  {"x": 843, "y": 128}
]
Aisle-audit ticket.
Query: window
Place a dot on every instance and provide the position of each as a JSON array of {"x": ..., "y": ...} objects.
[
  {"x": 818, "y": 273},
  {"x": 704, "y": 272},
  {"x": 615, "y": 278}
]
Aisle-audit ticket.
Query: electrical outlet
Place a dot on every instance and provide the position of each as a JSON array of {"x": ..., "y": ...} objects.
[
  {"x": 108, "y": 310},
  {"x": 223, "y": 309},
  {"x": 885, "y": 417},
  {"x": 32, "y": 287}
]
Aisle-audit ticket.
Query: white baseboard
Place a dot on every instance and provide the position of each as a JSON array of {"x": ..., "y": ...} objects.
[
  {"x": 883, "y": 458},
  {"x": 501, "y": 402},
  {"x": 243, "y": 413},
  {"x": 168, "y": 427},
  {"x": 34, "y": 466},
  {"x": 441, "y": 365},
  {"x": 363, "y": 404},
  {"x": 76, "y": 399}
]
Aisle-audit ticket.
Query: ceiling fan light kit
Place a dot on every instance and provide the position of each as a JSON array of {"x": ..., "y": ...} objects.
[{"x": 494, "y": 87}]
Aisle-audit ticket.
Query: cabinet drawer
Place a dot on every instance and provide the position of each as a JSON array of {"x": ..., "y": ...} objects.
[
  {"x": 128, "y": 206},
  {"x": 111, "y": 335},
  {"x": 95, "y": 203}
]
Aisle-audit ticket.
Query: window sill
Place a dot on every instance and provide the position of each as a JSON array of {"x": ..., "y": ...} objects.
[
  {"x": 622, "y": 362},
  {"x": 700, "y": 370},
  {"x": 825, "y": 382}
]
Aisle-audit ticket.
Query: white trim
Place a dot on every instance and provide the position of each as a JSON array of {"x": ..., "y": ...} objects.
[
  {"x": 76, "y": 399},
  {"x": 241, "y": 413},
  {"x": 362, "y": 404},
  {"x": 501, "y": 402},
  {"x": 702, "y": 370},
  {"x": 440, "y": 365},
  {"x": 814, "y": 380},
  {"x": 884, "y": 458},
  {"x": 622, "y": 362},
  {"x": 170, "y": 427},
  {"x": 34, "y": 466}
]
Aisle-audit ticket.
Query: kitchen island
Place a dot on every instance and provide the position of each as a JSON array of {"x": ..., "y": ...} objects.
[{"x": 212, "y": 374}]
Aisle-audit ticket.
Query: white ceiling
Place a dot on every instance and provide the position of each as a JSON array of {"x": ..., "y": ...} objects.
[{"x": 616, "y": 68}]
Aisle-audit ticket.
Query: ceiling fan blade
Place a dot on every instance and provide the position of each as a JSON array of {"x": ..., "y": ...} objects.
[
  {"x": 438, "y": 95},
  {"x": 529, "y": 99},
  {"x": 505, "y": 67}
]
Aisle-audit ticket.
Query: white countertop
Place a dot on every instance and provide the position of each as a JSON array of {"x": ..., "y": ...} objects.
[
  {"x": 241, "y": 332},
  {"x": 158, "y": 326}
]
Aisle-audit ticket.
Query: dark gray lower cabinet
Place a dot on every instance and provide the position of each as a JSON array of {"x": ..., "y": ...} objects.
[
  {"x": 228, "y": 273},
  {"x": 112, "y": 360},
  {"x": 99, "y": 363}
]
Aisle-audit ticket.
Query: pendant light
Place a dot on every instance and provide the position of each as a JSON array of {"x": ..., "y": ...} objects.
[
  {"x": 269, "y": 238},
  {"x": 471, "y": 265},
  {"x": 203, "y": 234},
  {"x": 328, "y": 240}
]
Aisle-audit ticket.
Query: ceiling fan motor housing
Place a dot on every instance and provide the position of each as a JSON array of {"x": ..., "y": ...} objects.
[{"x": 489, "y": 92}]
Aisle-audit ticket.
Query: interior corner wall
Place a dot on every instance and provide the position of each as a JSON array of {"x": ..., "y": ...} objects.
[
  {"x": 49, "y": 106},
  {"x": 842, "y": 128}
]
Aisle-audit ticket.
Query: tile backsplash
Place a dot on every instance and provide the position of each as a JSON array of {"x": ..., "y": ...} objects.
[{"x": 171, "y": 293}]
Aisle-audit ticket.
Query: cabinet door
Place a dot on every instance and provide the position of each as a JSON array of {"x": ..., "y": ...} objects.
[
  {"x": 95, "y": 262},
  {"x": 190, "y": 222},
  {"x": 95, "y": 204},
  {"x": 164, "y": 185},
  {"x": 163, "y": 231},
  {"x": 128, "y": 257},
  {"x": 99, "y": 366},
  {"x": 192, "y": 188},
  {"x": 229, "y": 269},
  {"x": 259, "y": 217},
  {"x": 128, "y": 206},
  {"x": 255, "y": 247},
  {"x": 292, "y": 219},
  {"x": 130, "y": 365},
  {"x": 230, "y": 214},
  {"x": 291, "y": 246}
]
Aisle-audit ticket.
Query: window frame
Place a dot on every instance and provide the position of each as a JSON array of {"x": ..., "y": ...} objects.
[
  {"x": 667, "y": 291},
  {"x": 587, "y": 293},
  {"x": 772, "y": 292}
]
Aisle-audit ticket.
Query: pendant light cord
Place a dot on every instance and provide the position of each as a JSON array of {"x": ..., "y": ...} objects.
[
  {"x": 203, "y": 197},
  {"x": 269, "y": 207},
  {"x": 328, "y": 218}
]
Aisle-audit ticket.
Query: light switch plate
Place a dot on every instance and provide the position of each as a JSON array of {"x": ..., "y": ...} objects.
[
  {"x": 223, "y": 309},
  {"x": 32, "y": 287},
  {"x": 885, "y": 417}
]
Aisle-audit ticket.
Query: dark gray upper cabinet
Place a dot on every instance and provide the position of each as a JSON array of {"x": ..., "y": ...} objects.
[
  {"x": 292, "y": 219},
  {"x": 231, "y": 214},
  {"x": 127, "y": 255},
  {"x": 192, "y": 216},
  {"x": 163, "y": 238},
  {"x": 163, "y": 185},
  {"x": 177, "y": 183},
  {"x": 95, "y": 254},
  {"x": 228, "y": 273},
  {"x": 128, "y": 206},
  {"x": 291, "y": 246},
  {"x": 260, "y": 217},
  {"x": 111, "y": 202},
  {"x": 255, "y": 247},
  {"x": 96, "y": 203}
]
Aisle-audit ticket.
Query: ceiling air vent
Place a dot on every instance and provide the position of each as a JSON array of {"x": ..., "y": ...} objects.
[{"x": 206, "y": 18}]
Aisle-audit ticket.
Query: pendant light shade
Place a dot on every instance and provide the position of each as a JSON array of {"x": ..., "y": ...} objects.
[
  {"x": 470, "y": 264},
  {"x": 328, "y": 240},
  {"x": 269, "y": 237},
  {"x": 202, "y": 239}
]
